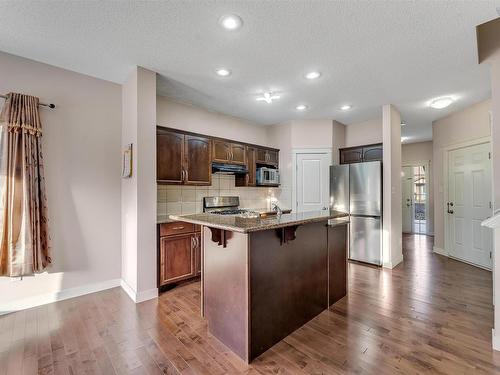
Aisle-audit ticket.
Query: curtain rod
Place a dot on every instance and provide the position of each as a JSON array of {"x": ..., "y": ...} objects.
[{"x": 50, "y": 105}]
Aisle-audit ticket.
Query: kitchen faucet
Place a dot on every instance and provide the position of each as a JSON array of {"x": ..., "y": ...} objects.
[{"x": 276, "y": 208}]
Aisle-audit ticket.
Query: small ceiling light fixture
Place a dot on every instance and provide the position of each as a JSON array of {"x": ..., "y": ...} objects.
[
  {"x": 346, "y": 107},
  {"x": 301, "y": 107},
  {"x": 223, "y": 72},
  {"x": 440, "y": 103},
  {"x": 267, "y": 97},
  {"x": 231, "y": 22},
  {"x": 313, "y": 75}
]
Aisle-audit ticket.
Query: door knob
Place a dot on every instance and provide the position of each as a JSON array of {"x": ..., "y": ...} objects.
[{"x": 449, "y": 204}]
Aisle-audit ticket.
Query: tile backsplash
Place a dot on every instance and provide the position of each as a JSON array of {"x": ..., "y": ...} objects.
[{"x": 184, "y": 200}]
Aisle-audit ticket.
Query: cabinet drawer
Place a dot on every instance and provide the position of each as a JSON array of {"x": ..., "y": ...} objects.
[{"x": 169, "y": 229}]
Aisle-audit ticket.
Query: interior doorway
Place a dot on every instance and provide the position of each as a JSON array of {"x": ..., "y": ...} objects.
[
  {"x": 415, "y": 203},
  {"x": 312, "y": 180},
  {"x": 468, "y": 202}
]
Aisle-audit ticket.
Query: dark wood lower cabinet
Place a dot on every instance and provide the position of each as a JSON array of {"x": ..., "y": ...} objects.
[{"x": 179, "y": 253}]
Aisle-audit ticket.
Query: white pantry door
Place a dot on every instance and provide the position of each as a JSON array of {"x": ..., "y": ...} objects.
[
  {"x": 313, "y": 181},
  {"x": 469, "y": 203},
  {"x": 407, "y": 201}
]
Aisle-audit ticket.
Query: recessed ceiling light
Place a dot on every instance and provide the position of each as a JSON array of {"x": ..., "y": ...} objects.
[
  {"x": 313, "y": 75},
  {"x": 231, "y": 22},
  {"x": 440, "y": 103},
  {"x": 346, "y": 107},
  {"x": 268, "y": 97},
  {"x": 301, "y": 107},
  {"x": 223, "y": 72}
]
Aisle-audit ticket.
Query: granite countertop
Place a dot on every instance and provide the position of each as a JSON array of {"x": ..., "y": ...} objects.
[
  {"x": 247, "y": 225},
  {"x": 163, "y": 219}
]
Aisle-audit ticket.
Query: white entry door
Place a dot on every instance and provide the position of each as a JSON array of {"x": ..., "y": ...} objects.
[
  {"x": 469, "y": 203},
  {"x": 407, "y": 188},
  {"x": 313, "y": 181}
]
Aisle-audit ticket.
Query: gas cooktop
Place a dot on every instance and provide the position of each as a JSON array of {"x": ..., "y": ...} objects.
[{"x": 232, "y": 211}]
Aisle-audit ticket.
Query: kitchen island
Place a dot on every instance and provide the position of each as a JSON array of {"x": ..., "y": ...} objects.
[{"x": 264, "y": 278}]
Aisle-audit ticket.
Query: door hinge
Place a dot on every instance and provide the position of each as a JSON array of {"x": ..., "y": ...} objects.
[
  {"x": 489, "y": 155},
  {"x": 491, "y": 205},
  {"x": 490, "y": 254}
]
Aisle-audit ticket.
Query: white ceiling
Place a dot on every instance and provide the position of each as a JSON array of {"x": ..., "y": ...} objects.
[{"x": 370, "y": 53}]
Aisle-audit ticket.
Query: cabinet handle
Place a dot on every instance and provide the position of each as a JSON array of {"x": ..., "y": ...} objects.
[
  {"x": 177, "y": 228},
  {"x": 186, "y": 175},
  {"x": 248, "y": 179},
  {"x": 192, "y": 243},
  {"x": 183, "y": 174}
]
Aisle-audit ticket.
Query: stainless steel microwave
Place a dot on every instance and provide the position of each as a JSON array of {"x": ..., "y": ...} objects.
[{"x": 268, "y": 176}]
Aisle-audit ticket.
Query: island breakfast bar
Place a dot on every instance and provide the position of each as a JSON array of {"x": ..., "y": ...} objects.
[{"x": 263, "y": 278}]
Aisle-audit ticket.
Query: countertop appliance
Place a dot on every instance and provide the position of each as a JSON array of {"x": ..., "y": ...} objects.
[
  {"x": 267, "y": 176},
  {"x": 357, "y": 189},
  {"x": 227, "y": 205}
]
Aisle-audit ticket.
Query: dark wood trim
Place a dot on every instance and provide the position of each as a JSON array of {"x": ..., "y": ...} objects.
[
  {"x": 358, "y": 146},
  {"x": 215, "y": 138}
]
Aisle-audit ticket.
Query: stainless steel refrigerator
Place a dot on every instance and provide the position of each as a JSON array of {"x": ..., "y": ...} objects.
[{"x": 357, "y": 190}]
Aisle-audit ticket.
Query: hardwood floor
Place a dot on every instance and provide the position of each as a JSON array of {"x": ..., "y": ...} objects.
[{"x": 430, "y": 314}]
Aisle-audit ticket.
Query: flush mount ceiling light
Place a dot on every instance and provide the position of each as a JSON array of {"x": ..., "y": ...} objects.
[
  {"x": 223, "y": 72},
  {"x": 301, "y": 107},
  {"x": 231, "y": 22},
  {"x": 440, "y": 103},
  {"x": 267, "y": 97},
  {"x": 346, "y": 107},
  {"x": 313, "y": 75}
]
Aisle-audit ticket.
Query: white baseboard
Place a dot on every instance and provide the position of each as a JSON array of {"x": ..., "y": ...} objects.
[
  {"x": 439, "y": 251},
  {"x": 141, "y": 296},
  {"x": 495, "y": 340},
  {"x": 42, "y": 299}
]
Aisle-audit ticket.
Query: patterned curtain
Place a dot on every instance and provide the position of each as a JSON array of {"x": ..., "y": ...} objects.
[{"x": 24, "y": 236}]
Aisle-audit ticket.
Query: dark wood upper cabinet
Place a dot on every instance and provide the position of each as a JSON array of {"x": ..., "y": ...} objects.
[
  {"x": 238, "y": 154},
  {"x": 372, "y": 153},
  {"x": 170, "y": 155},
  {"x": 221, "y": 151},
  {"x": 197, "y": 159},
  {"x": 228, "y": 152},
  {"x": 249, "y": 178},
  {"x": 361, "y": 154},
  {"x": 266, "y": 156}
]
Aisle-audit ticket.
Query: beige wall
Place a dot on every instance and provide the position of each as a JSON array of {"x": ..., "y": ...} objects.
[
  {"x": 417, "y": 152},
  {"x": 190, "y": 118},
  {"x": 81, "y": 145},
  {"x": 363, "y": 133},
  {"x": 466, "y": 125},
  {"x": 312, "y": 133},
  {"x": 392, "y": 253},
  {"x": 138, "y": 205}
]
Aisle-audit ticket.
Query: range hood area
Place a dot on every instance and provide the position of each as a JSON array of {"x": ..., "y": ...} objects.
[{"x": 226, "y": 168}]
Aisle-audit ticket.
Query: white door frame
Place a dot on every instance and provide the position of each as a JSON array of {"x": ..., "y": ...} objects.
[
  {"x": 446, "y": 150},
  {"x": 427, "y": 164},
  {"x": 295, "y": 152}
]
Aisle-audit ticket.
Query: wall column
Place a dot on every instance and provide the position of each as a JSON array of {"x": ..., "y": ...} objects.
[
  {"x": 139, "y": 191},
  {"x": 338, "y": 140},
  {"x": 392, "y": 252}
]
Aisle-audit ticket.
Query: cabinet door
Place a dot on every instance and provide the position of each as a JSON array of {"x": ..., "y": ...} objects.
[
  {"x": 251, "y": 165},
  {"x": 351, "y": 155},
  {"x": 372, "y": 153},
  {"x": 261, "y": 156},
  {"x": 197, "y": 160},
  {"x": 176, "y": 258},
  {"x": 198, "y": 254},
  {"x": 273, "y": 157},
  {"x": 221, "y": 151},
  {"x": 238, "y": 154},
  {"x": 169, "y": 155}
]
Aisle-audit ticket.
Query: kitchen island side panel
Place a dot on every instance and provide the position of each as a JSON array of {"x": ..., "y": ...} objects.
[
  {"x": 288, "y": 283},
  {"x": 225, "y": 290}
]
